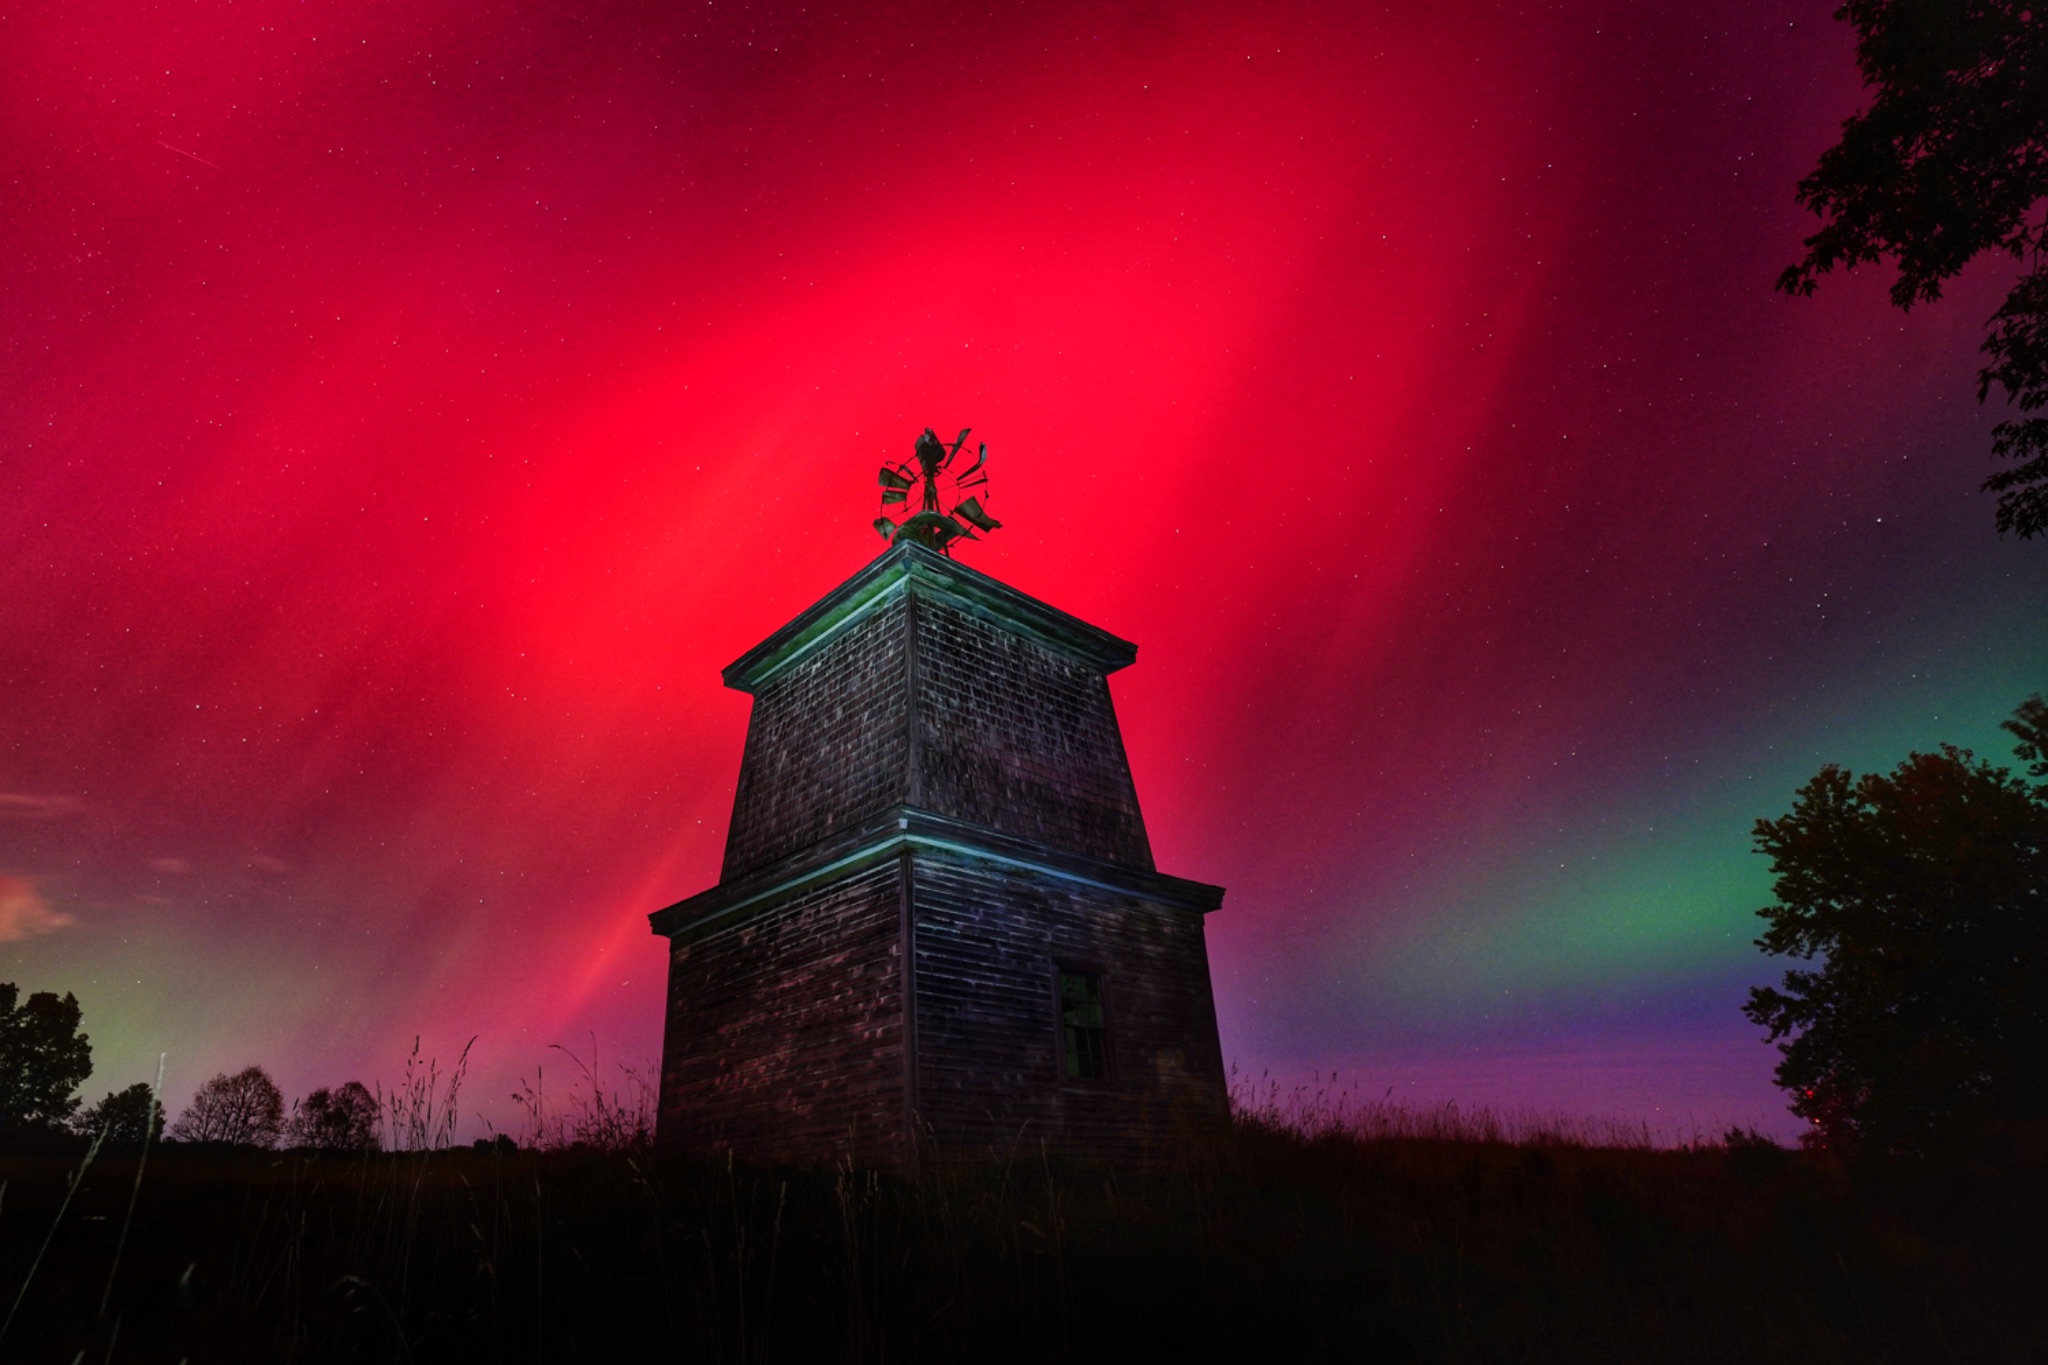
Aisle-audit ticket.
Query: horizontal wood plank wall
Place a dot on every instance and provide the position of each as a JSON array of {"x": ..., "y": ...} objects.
[
  {"x": 827, "y": 746},
  {"x": 785, "y": 1032},
  {"x": 990, "y": 1072},
  {"x": 1022, "y": 738}
]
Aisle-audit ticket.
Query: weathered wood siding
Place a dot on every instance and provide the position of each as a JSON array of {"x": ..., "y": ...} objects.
[
  {"x": 990, "y": 1068},
  {"x": 1017, "y": 736},
  {"x": 785, "y": 1031},
  {"x": 827, "y": 745}
]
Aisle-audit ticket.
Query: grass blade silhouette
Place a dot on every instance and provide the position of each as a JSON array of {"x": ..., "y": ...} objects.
[
  {"x": 71, "y": 1188},
  {"x": 156, "y": 1100}
]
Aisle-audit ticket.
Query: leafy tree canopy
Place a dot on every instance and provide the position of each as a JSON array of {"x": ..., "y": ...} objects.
[
  {"x": 43, "y": 1059},
  {"x": 128, "y": 1117},
  {"x": 341, "y": 1119},
  {"x": 1949, "y": 161},
  {"x": 1923, "y": 896},
  {"x": 245, "y": 1108}
]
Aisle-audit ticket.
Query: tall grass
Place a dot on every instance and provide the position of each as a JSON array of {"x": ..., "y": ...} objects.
[
  {"x": 1321, "y": 1227},
  {"x": 614, "y": 1117},
  {"x": 71, "y": 1184},
  {"x": 420, "y": 1114},
  {"x": 1325, "y": 1109}
]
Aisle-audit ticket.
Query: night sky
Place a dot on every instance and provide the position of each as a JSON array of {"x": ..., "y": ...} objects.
[{"x": 406, "y": 410}]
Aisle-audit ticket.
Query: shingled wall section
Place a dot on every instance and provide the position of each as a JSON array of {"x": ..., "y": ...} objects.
[
  {"x": 990, "y": 1061},
  {"x": 827, "y": 745},
  {"x": 1015, "y": 735},
  {"x": 785, "y": 1030}
]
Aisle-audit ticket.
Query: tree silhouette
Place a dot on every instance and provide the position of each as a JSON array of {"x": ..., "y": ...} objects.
[
  {"x": 43, "y": 1059},
  {"x": 127, "y": 1117},
  {"x": 342, "y": 1119},
  {"x": 1950, "y": 161},
  {"x": 1925, "y": 891},
  {"x": 2029, "y": 725},
  {"x": 245, "y": 1108}
]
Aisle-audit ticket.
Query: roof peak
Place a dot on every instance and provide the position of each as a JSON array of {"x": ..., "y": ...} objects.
[{"x": 909, "y": 568}]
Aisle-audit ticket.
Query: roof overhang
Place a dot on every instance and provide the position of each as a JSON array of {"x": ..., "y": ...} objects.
[
  {"x": 911, "y": 568},
  {"x": 902, "y": 828}
]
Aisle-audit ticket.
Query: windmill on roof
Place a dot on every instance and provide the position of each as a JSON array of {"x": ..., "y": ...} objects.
[
  {"x": 947, "y": 511},
  {"x": 938, "y": 932}
]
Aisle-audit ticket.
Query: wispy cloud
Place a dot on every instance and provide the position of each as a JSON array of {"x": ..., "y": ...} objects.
[
  {"x": 176, "y": 867},
  {"x": 23, "y": 806},
  {"x": 24, "y": 913}
]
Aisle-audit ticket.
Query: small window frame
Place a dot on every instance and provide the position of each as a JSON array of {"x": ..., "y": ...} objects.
[{"x": 1106, "y": 1030}]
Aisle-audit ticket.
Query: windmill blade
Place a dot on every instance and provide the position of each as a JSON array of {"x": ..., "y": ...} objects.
[
  {"x": 958, "y": 441},
  {"x": 980, "y": 460},
  {"x": 885, "y": 528},
  {"x": 971, "y": 510},
  {"x": 891, "y": 478},
  {"x": 890, "y": 495}
]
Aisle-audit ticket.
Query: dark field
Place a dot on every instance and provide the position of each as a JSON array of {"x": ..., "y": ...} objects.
[{"x": 1273, "y": 1247}]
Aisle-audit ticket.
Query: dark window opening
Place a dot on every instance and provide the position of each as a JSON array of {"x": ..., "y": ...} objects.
[{"x": 1081, "y": 1023}]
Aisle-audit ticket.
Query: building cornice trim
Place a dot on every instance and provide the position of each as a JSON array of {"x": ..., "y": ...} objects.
[{"x": 907, "y": 828}]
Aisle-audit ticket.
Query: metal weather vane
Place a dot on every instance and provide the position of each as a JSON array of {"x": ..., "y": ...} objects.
[{"x": 946, "y": 510}]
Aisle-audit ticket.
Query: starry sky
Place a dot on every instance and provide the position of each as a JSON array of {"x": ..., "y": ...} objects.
[{"x": 406, "y": 410}]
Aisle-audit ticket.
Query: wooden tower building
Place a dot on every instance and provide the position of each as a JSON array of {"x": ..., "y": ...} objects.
[{"x": 938, "y": 932}]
